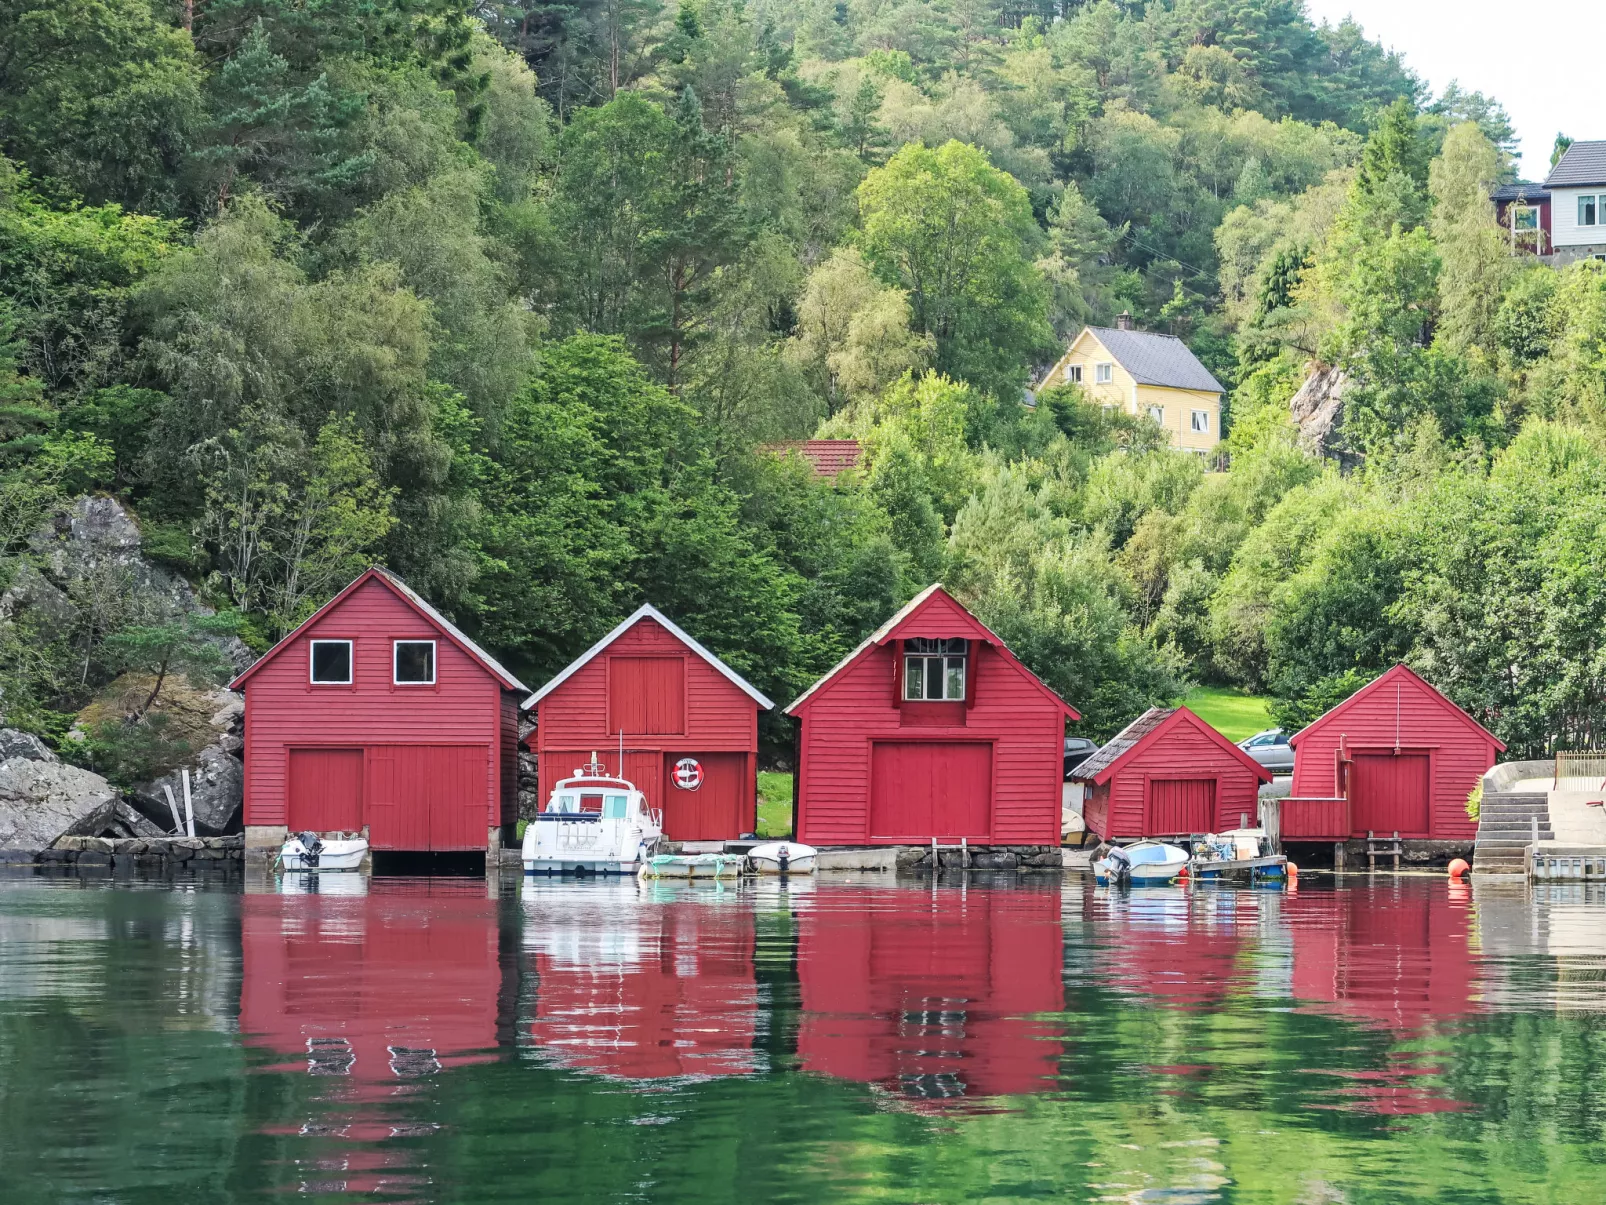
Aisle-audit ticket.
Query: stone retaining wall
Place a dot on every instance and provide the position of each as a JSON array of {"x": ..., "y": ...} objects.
[
  {"x": 146, "y": 853},
  {"x": 982, "y": 857}
]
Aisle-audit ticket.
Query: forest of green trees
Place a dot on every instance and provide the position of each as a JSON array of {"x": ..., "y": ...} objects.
[{"x": 510, "y": 296}]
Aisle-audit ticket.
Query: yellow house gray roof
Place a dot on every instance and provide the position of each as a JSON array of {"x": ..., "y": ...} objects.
[{"x": 1152, "y": 359}]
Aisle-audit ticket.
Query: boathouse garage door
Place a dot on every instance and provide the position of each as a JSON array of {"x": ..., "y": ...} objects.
[
  {"x": 711, "y": 812},
  {"x": 325, "y": 794},
  {"x": 1388, "y": 793},
  {"x": 1180, "y": 806},
  {"x": 925, "y": 789},
  {"x": 427, "y": 797}
]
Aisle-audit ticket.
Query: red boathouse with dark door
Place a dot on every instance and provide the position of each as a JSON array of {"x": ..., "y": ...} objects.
[
  {"x": 1169, "y": 774},
  {"x": 1396, "y": 756},
  {"x": 688, "y": 724},
  {"x": 378, "y": 716},
  {"x": 930, "y": 729}
]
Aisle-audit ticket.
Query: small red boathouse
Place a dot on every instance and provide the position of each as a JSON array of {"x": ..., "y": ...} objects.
[
  {"x": 377, "y": 715},
  {"x": 930, "y": 729},
  {"x": 1169, "y": 774},
  {"x": 689, "y": 726},
  {"x": 1396, "y": 756}
]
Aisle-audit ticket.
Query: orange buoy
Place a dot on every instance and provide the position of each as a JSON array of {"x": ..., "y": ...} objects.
[{"x": 1458, "y": 867}]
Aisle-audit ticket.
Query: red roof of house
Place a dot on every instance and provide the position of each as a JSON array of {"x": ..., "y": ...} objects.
[
  {"x": 1148, "y": 728},
  {"x": 414, "y": 600},
  {"x": 909, "y": 611},
  {"x": 828, "y": 457},
  {"x": 1378, "y": 683}
]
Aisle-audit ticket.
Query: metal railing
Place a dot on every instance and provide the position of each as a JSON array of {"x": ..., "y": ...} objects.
[{"x": 1585, "y": 768}]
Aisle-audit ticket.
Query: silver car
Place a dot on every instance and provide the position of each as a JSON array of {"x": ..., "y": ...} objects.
[{"x": 1271, "y": 749}]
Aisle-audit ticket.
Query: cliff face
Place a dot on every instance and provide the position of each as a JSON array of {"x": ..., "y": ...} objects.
[{"x": 1318, "y": 410}]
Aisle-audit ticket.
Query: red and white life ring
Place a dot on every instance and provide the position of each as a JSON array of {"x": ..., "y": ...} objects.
[{"x": 688, "y": 774}]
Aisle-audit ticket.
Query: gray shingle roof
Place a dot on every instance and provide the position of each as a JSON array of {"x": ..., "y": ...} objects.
[
  {"x": 1520, "y": 191},
  {"x": 1110, "y": 752},
  {"x": 1583, "y": 163},
  {"x": 1157, "y": 359}
]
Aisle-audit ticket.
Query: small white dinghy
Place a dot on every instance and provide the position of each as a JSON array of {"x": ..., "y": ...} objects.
[
  {"x": 782, "y": 857},
  {"x": 308, "y": 851},
  {"x": 1142, "y": 864}
]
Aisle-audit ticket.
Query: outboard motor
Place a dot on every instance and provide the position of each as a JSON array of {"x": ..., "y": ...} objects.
[
  {"x": 1120, "y": 867},
  {"x": 784, "y": 857},
  {"x": 311, "y": 847}
]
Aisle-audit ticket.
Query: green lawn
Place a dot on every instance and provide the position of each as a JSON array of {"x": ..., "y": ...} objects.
[
  {"x": 1230, "y": 712},
  {"x": 774, "y": 804}
]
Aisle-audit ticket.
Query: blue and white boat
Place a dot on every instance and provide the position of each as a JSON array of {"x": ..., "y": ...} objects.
[{"x": 1142, "y": 864}]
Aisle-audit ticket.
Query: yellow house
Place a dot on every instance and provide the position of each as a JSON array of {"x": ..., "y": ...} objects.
[{"x": 1148, "y": 374}]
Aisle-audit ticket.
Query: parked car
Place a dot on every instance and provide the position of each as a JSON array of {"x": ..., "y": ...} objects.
[
  {"x": 1271, "y": 749},
  {"x": 1077, "y": 750}
]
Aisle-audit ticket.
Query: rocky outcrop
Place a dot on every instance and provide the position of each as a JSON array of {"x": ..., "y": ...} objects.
[
  {"x": 1318, "y": 410},
  {"x": 23, "y": 744},
  {"x": 41, "y": 801},
  {"x": 529, "y": 775},
  {"x": 217, "y": 789}
]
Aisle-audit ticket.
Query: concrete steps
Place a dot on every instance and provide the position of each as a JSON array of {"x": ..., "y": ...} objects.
[{"x": 1506, "y": 829}]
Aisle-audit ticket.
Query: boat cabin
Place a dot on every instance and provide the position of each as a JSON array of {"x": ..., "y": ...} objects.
[
  {"x": 1169, "y": 774},
  {"x": 931, "y": 730}
]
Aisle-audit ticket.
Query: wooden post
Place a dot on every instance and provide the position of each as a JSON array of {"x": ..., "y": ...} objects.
[
  {"x": 1371, "y": 852},
  {"x": 189, "y": 805},
  {"x": 1338, "y": 855},
  {"x": 172, "y": 806},
  {"x": 1397, "y": 844}
]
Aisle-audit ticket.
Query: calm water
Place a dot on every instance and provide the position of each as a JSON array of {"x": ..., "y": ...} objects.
[{"x": 858, "y": 1040}]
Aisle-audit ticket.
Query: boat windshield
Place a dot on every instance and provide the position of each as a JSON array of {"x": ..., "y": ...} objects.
[
  {"x": 591, "y": 803},
  {"x": 562, "y": 803},
  {"x": 613, "y": 806}
]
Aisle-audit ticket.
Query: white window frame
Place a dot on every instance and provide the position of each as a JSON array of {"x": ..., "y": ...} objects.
[
  {"x": 950, "y": 659},
  {"x": 351, "y": 663},
  {"x": 395, "y": 658},
  {"x": 1073, "y": 374},
  {"x": 1594, "y": 209},
  {"x": 1157, "y": 414},
  {"x": 1104, "y": 373},
  {"x": 1201, "y": 422}
]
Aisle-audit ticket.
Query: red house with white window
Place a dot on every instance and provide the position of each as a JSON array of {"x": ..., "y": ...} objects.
[
  {"x": 688, "y": 724},
  {"x": 378, "y": 716},
  {"x": 1169, "y": 774},
  {"x": 930, "y": 729},
  {"x": 1397, "y": 756}
]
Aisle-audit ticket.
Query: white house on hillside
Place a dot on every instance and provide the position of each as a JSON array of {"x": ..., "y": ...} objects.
[{"x": 1577, "y": 188}]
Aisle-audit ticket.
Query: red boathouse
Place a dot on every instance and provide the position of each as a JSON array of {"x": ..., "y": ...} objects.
[
  {"x": 378, "y": 716},
  {"x": 930, "y": 729},
  {"x": 1396, "y": 756},
  {"x": 689, "y": 725},
  {"x": 1169, "y": 774}
]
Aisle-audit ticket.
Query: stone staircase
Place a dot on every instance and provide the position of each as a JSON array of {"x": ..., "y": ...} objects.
[{"x": 1506, "y": 829}]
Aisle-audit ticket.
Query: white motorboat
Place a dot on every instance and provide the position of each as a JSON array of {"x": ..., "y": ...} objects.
[
  {"x": 1142, "y": 864},
  {"x": 309, "y": 851},
  {"x": 782, "y": 857},
  {"x": 594, "y": 823}
]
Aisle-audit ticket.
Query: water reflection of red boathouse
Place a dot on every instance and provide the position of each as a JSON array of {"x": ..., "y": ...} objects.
[{"x": 930, "y": 995}]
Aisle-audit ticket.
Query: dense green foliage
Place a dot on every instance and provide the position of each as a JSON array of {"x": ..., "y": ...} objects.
[{"x": 511, "y": 297}]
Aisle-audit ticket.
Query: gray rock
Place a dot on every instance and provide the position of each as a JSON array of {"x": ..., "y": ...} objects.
[
  {"x": 31, "y": 594},
  {"x": 217, "y": 788},
  {"x": 1317, "y": 409},
  {"x": 23, "y": 744},
  {"x": 41, "y": 801}
]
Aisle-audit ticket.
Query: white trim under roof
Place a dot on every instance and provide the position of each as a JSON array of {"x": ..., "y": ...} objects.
[{"x": 648, "y": 611}]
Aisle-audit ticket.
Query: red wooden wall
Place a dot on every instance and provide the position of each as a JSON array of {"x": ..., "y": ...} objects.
[
  {"x": 1174, "y": 773},
  {"x": 1436, "y": 739},
  {"x": 465, "y": 714},
  {"x": 853, "y": 731},
  {"x": 671, "y": 704}
]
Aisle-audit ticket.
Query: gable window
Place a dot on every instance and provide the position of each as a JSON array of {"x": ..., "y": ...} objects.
[
  {"x": 331, "y": 662},
  {"x": 1201, "y": 421},
  {"x": 1587, "y": 212},
  {"x": 1073, "y": 374},
  {"x": 1157, "y": 413},
  {"x": 934, "y": 670},
  {"x": 1104, "y": 373},
  {"x": 414, "y": 663}
]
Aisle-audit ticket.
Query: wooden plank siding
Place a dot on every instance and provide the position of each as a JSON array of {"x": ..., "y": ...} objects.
[
  {"x": 1400, "y": 711},
  {"x": 857, "y": 706},
  {"x": 285, "y": 710},
  {"x": 714, "y": 716}
]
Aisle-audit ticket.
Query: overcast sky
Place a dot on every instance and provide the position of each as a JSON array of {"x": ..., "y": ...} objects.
[{"x": 1542, "y": 61}]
